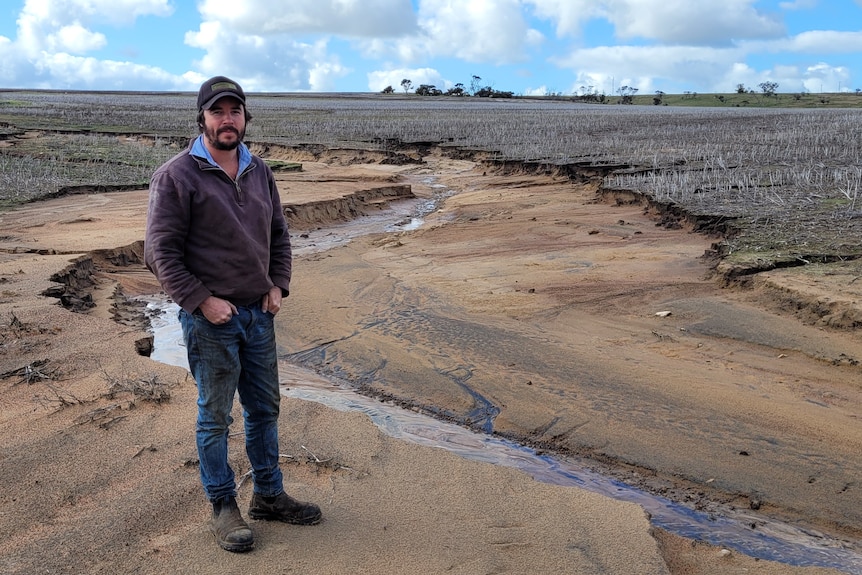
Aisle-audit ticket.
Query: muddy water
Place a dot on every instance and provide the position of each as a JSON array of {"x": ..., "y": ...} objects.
[{"x": 732, "y": 528}]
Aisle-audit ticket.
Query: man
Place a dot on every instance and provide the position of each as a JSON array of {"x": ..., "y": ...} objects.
[{"x": 218, "y": 243}]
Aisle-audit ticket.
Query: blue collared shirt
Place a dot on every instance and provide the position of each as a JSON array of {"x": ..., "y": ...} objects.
[{"x": 200, "y": 149}]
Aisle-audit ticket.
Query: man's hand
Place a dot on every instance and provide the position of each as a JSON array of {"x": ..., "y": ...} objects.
[
  {"x": 217, "y": 310},
  {"x": 272, "y": 300}
]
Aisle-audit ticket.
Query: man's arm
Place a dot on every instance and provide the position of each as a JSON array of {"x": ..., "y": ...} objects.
[{"x": 168, "y": 217}]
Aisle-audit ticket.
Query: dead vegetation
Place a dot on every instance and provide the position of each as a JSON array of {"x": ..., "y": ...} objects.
[
  {"x": 34, "y": 372},
  {"x": 147, "y": 387}
]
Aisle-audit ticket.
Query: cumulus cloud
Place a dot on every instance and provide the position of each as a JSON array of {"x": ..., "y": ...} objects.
[
  {"x": 692, "y": 23},
  {"x": 75, "y": 39},
  {"x": 488, "y": 31},
  {"x": 380, "y": 80},
  {"x": 824, "y": 41},
  {"x": 273, "y": 63},
  {"x": 680, "y": 22},
  {"x": 54, "y": 37},
  {"x": 694, "y": 66},
  {"x": 568, "y": 15},
  {"x": 349, "y": 18}
]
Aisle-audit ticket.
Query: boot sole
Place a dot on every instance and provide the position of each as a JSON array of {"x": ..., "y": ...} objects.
[
  {"x": 234, "y": 548},
  {"x": 294, "y": 521}
]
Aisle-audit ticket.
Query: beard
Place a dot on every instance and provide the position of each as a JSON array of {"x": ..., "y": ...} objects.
[{"x": 213, "y": 136}]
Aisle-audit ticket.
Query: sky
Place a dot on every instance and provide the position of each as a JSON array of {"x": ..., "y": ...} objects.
[{"x": 528, "y": 47}]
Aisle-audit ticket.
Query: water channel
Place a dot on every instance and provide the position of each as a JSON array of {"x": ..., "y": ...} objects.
[{"x": 771, "y": 540}]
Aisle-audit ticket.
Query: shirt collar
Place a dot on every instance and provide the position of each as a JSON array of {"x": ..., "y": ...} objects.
[{"x": 200, "y": 149}]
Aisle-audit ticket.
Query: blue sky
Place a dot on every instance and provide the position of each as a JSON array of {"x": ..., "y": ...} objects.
[{"x": 523, "y": 46}]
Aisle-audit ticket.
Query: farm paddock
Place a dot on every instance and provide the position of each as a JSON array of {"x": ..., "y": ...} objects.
[{"x": 522, "y": 300}]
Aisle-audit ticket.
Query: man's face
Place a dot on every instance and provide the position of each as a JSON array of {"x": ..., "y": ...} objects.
[{"x": 224, "y": 124}]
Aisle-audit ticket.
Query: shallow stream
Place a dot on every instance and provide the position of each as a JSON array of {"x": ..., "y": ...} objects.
[{"x": 771, "y": 540}]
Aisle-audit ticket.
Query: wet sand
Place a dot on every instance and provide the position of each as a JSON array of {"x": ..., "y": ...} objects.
[{"x": 522, "y": 306}]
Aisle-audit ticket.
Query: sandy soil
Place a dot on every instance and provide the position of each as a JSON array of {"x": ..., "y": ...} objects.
[{"x": 522, "y": 306}]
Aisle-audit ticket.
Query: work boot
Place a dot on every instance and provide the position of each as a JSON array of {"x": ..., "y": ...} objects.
[
  {"x": 231, "y": 532},
  {"x": 285, "y": 508}
]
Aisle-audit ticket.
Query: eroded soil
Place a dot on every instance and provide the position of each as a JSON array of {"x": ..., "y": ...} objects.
[{"x": 524, "y": 307}]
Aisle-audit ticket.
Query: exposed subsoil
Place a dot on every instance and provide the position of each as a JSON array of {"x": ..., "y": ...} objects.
[{"x": 530, "y": 304}]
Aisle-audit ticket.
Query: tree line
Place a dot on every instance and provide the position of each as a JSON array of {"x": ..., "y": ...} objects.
[
  {"x": 476, "y": 89},
  {"x": 584, "y": 94}
]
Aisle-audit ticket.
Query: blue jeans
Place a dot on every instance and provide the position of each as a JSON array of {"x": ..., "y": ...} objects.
[{"x": 238, "y": 356}]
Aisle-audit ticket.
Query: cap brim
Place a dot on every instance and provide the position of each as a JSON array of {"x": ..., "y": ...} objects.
[{"x": 209, "y": 103}]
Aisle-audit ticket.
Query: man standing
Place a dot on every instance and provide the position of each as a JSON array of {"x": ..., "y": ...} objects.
[{"x": 218, "y": 243}]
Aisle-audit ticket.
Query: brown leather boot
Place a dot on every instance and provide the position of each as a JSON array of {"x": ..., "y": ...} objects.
[
  {"x": 285, "y": 508},
  {"x": 232, "y": 533}
]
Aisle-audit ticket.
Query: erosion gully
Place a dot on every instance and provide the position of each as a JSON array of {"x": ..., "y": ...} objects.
[{"x": 772, "y": 540}]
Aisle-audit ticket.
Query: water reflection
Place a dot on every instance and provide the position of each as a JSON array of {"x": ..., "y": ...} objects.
[{"x": 771, "y": 540}]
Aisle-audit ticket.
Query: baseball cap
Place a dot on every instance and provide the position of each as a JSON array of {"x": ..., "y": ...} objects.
[{"x": 216, "y": 88}]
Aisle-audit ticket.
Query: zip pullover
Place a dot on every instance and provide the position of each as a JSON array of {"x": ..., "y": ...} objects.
[{"x": 210, "y": 235}]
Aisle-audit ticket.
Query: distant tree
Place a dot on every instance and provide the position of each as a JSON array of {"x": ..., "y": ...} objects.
[
  {"x": 475, "y": 86},
  {"x": 589, "y": 94},
  {"x": 859, "y": 91},
  {"x": 657, "y": 98},
  {"x": 740, "y": 89},
  {"x": 456, "y": 90},
  {"x": 489, "y": 92},
  {"x": 428, "y": 90},
  {"x": 406, "y": 85},
  {"x": 768, "y": 88},
  {"x": 627, "y": 94},
  {"x": 388, "y": 90}
]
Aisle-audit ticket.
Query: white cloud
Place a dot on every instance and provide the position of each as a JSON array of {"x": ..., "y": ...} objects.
[
  {"x": 74, "y": 72},
  {"x": 488, "y": 31},
  {"x": 53, "y": 36},
  {"x": 692, "y": 23},
  {"x": 569, "y": 15},
  {"x": 45, "y": 15},
  {"x": 276, "y": 63},
  {"x": 349, "y": 18},
  {"x": 75, "y": 39},
  {"x": 682, "y": 22},
  {"x": 379, "y": 80},
  {"x": 824, "y": 42},
  {"x": 647, "y": 67},
  {"x": 792, "y": 79},
  {"x": 823, "y": 77},
  {"x": 540, "y": 91}
]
